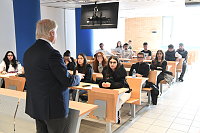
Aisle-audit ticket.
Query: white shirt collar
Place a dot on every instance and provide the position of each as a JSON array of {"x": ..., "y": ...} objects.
[{"x": 46, "y": 40}]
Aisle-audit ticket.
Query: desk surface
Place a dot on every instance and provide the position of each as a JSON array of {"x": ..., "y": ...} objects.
[
  {"x": 83, "y": 107},
  {"x": 80, "y": 87},
  {"x": 7, "y": 75},
  {"x": 12, "y": 93}
]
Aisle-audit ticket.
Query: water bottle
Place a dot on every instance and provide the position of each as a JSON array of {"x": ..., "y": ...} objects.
[{"x": 134, "y": 73}]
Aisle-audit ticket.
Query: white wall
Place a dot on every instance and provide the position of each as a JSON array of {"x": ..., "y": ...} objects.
[
  {"x": 7, "y": 28},
  {"x": 56, "y": 14},
  {"x": 70, "y": 25},
  {"x": 110, "y": 37}
]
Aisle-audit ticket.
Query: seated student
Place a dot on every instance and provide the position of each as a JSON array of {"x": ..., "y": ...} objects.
[
  {"x": 10, "y": 64},
  {"x": 86, "y": 69},
  {"x": 118, "y": 49},
  {"x": 100, "y": 61},
  {"x": 147, "y": 53},
  {"x": 114, "y": 75},
  {"x": 159, "y": 63},
  {"x": 171, "y": 54},
  {"x": 126, "y": 53},
  {"x": 141, "y": 68},
  {"x": 184, "y": 54},
  {"x": 105, "y": 52},
  {"x": 69, "y": 61},
  {"x": 129, "y": 44}
]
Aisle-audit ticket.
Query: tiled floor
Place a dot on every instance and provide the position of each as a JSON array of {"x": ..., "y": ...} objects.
[{"x": 178, "y": 111}]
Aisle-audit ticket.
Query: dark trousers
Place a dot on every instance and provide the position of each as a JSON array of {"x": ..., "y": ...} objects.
[
  {"x": 160, "y": 77},
  {"x": 183, "y": 70},
  {"x": 81, "y": 92},
  {"x": 52, "y": 126}
]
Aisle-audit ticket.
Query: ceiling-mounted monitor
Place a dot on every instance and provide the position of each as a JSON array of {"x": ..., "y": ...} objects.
[{"x": 99, "y": 16}]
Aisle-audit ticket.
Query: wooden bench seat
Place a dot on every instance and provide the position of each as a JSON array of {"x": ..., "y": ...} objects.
[{"x": 132, "y": 100}]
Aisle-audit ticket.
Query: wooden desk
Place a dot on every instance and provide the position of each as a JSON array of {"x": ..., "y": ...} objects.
[
  {"x": 13, "y": 93},
  {"x": 80, "y": 87},
  {"x": 148, "y": 61},
  {"x": 124, "y": 59},
  {"x": 77, "y": 110},
  {"x": 97, "y": 75},
  {"x": 127, "y": 69},
  {"x": 136, "y": 85},
  {"x": 127, "y": 64},
  {"x": 108, "y": 101},
  {"x": 83, "y": 107},
  {"x": 7, "y": 75}
]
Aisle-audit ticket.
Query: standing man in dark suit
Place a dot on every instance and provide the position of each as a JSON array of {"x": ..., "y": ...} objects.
[{"x": 47, "y": 81}]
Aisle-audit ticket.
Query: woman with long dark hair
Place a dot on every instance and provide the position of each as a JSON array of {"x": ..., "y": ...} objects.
[
  {"x": 159, "y": 63},
  {"x": 100, "y": 61},
  {"x": 10, "y": 64},
  {"x": 86, "y": 69},
  {"x": 114, "y": 75}
]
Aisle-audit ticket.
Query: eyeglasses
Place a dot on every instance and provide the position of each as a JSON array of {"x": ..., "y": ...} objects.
[
  {"x": 80, "y": 58},
  {"x": 99, "y": 55},
  {"x": 113, "y": 62},
  {"x": 140, "y": 57}
]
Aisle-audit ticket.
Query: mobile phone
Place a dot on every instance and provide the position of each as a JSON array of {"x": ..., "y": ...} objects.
[{"x": 85, "y": 85}]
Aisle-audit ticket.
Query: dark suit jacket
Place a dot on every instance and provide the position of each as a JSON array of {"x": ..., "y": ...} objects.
[{"x": 47, "y": 80}]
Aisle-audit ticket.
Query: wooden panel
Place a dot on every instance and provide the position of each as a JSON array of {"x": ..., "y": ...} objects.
[
  {"x": 173, "y": 67},
  {"x": 136, "y": 85},
  {"x": 153, "y": 76},
  {"x": 107, "y": 95},
  {"x": 140, "y": 29},
  {"x": 19, "y": 82},
  {"x": 179, "y": 65}
]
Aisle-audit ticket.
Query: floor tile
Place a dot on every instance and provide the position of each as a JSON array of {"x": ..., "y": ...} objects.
[
  {"x": 194, "y": 130},
  {"x": 174, "y": 131},
  {"x": 182, "y": 121},
  {"x": 146, "y": 120},
  {"x": 141, "y": 126},
  {"x": 179, "y": 127},
  {"x": 156, "y": 129},
  {"x": 162, "y": 123},
  {"x": 131, "y": 130},
  {"x": 196, "y": 124}
]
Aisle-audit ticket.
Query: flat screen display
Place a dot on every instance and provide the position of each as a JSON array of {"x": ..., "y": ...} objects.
[{"x": 99, "y": 16}]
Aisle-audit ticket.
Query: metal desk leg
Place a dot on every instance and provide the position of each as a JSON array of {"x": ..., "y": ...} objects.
[
  {"x": 77, "y": 95},
  {"x": 149, "y": 97},
  {"x": 161, "y": 89},
  {"x": 108, "y": 127},
  {"x": 133, "y": 110}
]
